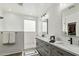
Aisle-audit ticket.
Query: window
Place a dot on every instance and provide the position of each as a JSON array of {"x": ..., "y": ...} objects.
[{"x": 29, "y": 26}]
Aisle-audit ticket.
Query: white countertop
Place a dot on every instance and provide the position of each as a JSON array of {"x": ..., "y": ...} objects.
[{"x": 73, "y": 49}]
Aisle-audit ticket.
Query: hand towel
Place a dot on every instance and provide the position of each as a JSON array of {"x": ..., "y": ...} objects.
[
  {"x": 12, "y": 38},
  {"x": 5, "y": 37}
]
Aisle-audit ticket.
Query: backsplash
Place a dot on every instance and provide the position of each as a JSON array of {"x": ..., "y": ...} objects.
[{"x": 75, "y": 40}]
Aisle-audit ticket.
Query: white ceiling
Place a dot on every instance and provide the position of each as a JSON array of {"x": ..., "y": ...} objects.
[
  {"x": 65, "y": 5},
  {"x": 33, "y": 9}
]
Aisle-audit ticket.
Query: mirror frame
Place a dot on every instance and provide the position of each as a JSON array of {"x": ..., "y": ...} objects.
[{"x": 46, "y": 25}]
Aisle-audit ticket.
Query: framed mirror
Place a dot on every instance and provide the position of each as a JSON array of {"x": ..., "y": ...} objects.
[
  {"x": 45, "y": 27},
  {"x": 70, "y": 21},
  {"x": 45, "y": 24}
]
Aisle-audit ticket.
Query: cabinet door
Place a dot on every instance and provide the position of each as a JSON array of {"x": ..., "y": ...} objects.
[
  {"x": 53, "y": 51},
  {"x": 43, "y": 47},
  {"x": 37, "y": 44},
  {"x": 59, "y": 52},
  {"x": 40, "y": 47},
  {"x": 43, "y": 52},
  {"x": 63, "y": 52},
  {"x": 47, "y": 50}
]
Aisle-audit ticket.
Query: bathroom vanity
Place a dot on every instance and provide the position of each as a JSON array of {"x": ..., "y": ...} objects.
[
  {"x": 66, "y": 29},
  {"x": 45, "y": 48}
]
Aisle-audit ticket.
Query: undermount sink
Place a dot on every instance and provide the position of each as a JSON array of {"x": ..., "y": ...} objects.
[{"x": 59, "y": 42}]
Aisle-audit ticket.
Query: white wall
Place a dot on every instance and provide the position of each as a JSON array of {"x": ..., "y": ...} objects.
[
  {"x": 72, "y": 15},
  {"x": 17, "y": 47},
  {"x": 55, "y": 24},
  {"x": 54, "y": 21},
  {"x": 12, "y": 22},
  {"x": 65, "y": 5}
]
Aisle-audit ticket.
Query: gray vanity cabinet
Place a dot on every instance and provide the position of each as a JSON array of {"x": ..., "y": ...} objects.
[
  {"x": 46, "y": 49},
  {"x": 53, "y": 51},
  {"x": 43, "y": 47}
]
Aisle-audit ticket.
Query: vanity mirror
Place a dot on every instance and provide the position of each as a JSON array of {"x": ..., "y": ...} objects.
[
  {"x": 45, "y": 24},
  {"x": 70, "y": 21}
]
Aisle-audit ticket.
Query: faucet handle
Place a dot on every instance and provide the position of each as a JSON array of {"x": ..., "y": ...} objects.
[{"x": 70, "y": 40}]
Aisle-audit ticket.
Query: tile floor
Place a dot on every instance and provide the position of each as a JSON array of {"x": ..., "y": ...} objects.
[{"x": 30, "y": 52}]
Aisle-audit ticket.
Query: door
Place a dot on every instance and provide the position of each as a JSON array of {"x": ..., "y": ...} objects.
[{"x": 29, "y": 34}]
